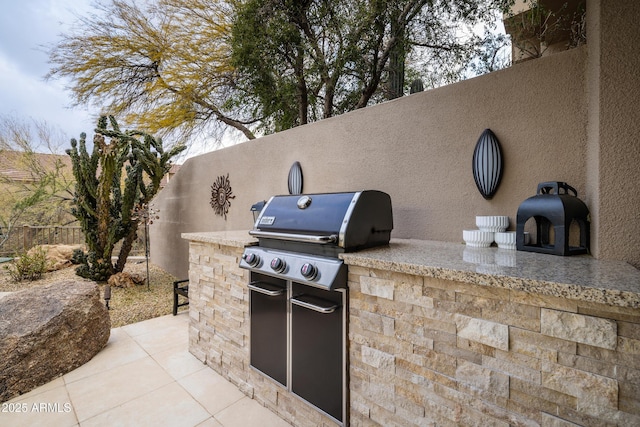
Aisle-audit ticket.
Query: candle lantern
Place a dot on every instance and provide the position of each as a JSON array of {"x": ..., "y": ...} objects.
[{"x": 555, "y": 208}]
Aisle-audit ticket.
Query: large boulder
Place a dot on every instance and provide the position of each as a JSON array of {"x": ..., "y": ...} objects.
[
  {"x": 47, "y": 331},
  {"x": 58, "y": 256}
]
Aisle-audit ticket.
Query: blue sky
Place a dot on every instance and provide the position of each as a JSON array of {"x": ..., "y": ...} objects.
[
  {"x": 26, "y": 26},
  {"x": 27, "y": 29}
]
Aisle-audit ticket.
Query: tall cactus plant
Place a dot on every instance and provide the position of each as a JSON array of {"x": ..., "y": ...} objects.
[{"x": 105, "y": 204}]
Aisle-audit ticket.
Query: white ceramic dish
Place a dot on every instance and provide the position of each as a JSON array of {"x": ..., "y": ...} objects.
[
  {"x": 492, "y": 223},
  {"x": 477, "y": 238},
  {"x": 506, "y": 240}
]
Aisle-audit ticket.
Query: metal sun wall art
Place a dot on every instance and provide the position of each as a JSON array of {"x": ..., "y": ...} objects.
[
  {"x": 487, "y": 164},
  {"x": 221, "y": 196}
]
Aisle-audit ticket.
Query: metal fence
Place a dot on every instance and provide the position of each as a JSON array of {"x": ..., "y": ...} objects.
[{"x": 21, "y": 239}]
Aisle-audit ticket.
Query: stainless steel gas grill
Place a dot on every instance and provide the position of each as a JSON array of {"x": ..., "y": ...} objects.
[{"x": 298, "y": 289}]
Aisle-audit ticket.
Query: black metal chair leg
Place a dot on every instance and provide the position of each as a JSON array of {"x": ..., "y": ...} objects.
[{"x": 180, "y": 290}]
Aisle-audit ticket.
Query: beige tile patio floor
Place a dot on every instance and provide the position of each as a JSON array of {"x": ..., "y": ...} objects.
[{"x": 145, "y": 376}]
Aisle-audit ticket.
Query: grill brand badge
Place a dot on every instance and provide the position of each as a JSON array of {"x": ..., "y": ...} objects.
[
  {"x": 267, "y": 220},
  {"x": 304, "y": 202}
]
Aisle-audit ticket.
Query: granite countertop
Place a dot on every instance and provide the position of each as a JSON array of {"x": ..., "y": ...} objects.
[
  {"x": 579, "y": 277},
  {"x": 235, "y": 238}
]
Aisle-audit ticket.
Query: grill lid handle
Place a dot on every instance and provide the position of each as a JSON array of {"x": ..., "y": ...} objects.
[{"x": 321, "y": 240}]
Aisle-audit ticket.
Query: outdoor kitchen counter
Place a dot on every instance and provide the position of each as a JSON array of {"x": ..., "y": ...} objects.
[
  {"x": 580, "y": 277},
  {"x": 505, "y": 337},
  {"x": 234, "y": 239}
]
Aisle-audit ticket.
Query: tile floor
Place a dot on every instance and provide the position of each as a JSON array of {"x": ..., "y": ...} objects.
[{"x": 145, "y": 376}]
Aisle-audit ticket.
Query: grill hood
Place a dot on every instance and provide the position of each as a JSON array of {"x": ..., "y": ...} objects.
[{"x": 346, "y": 221}]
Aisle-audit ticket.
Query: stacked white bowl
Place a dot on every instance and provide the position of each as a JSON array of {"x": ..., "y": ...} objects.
[
  {"x": 490, "y": 229},
  {"x": 506, "y": 240}
]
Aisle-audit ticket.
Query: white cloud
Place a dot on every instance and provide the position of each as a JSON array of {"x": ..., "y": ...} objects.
[{"x": 26, "y": 27}]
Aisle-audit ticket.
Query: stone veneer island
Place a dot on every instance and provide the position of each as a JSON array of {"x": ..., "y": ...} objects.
[{"x": 445, "y": 335}]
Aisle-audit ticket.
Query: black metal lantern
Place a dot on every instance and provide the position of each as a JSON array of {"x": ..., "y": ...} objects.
[{"x": 554, "y": 210}]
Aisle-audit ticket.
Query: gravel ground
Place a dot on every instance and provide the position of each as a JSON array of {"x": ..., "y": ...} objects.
[{"x": 126, "y": 305}]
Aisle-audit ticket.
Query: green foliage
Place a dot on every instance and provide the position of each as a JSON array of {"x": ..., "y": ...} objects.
[
  {"x": 161, "y": 64},
  {"x": 300, "y": 61},
  {"x": 83, "y": 271},
  {"x": 541, "y": 25},
  {"x": 261, "y": 66},
  {"x": 105, "y": 203},
  {"x": 93, "y": 268},
  {"x": 78, "y": 257},
  {"x": 30, "y": 265},
  {"x": 37, "y": 194}
]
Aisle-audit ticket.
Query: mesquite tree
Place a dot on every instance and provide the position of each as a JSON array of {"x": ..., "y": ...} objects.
[
  {"x": 261, "y": 66},
  {"x": 105, "y": 203}
]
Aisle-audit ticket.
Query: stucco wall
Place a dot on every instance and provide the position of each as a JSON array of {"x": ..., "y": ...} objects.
[
  {"x": 613, "y": 91},
  {"x": 417, "y": 148}
]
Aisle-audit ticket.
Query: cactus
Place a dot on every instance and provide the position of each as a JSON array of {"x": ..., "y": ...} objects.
[{"x": 104, "y": 203}]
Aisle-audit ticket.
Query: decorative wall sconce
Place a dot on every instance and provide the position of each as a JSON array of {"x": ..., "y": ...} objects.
[
  {"x": 487, "y": 164},
  {"x": 295, "y": 179}
]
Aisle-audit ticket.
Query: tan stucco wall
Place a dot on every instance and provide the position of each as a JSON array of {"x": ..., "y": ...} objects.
[
  {"x": 614, "y": 128},
  {"x": 570, "y": 117},
  {"x": 417, "y": 148}
]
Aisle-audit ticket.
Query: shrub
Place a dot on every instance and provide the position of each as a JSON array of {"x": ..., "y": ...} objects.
[
  {"x": 78, "y": 257},
  {"x": 29, "y": 266},
  {"x": 83, "y": 271}
]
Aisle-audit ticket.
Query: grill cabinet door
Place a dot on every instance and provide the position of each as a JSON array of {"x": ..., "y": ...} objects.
[
  {"x": 317, "y": 365},
  {"x": 268, "y": 310}
]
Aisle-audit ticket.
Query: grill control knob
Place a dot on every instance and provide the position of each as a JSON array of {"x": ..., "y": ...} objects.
[
  {"x": 278, "y": 265},
  {"x": 309, "y": 271},
  {"x": 252, "y": 259}
]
